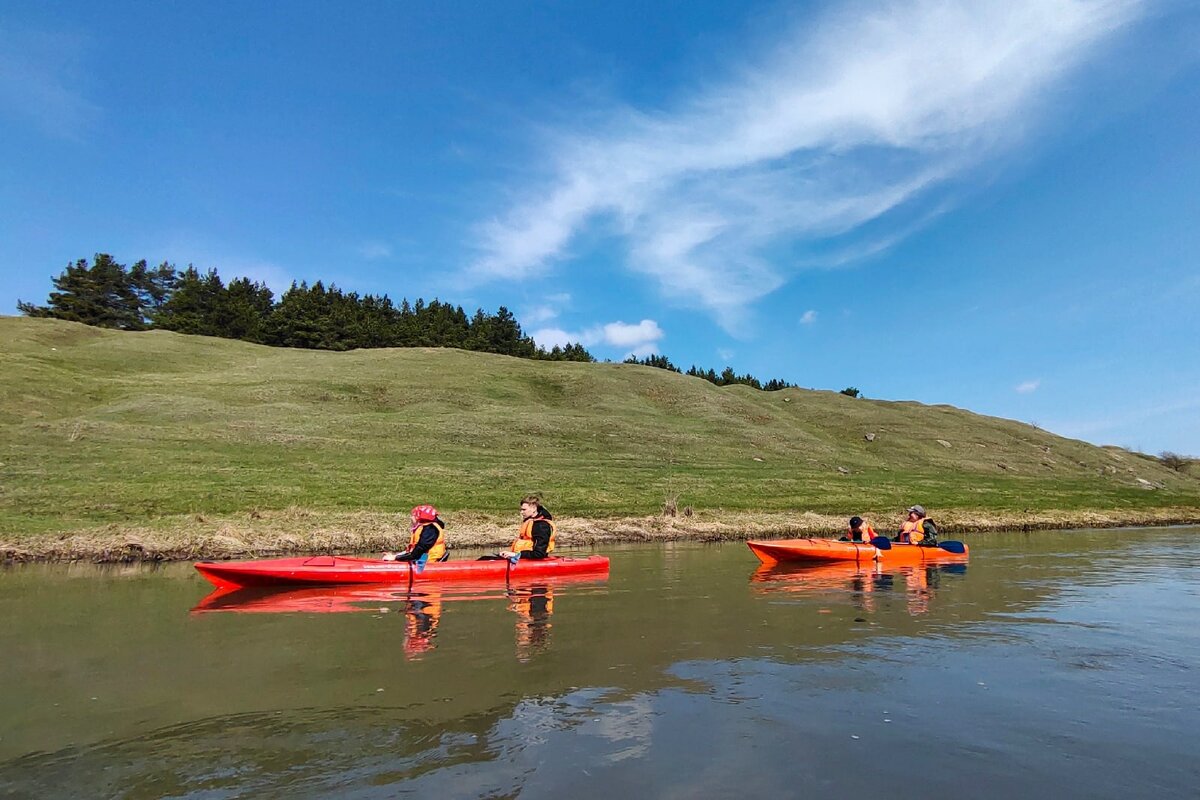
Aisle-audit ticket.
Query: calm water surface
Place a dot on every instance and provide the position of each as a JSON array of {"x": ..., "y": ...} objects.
[{"x": 1052, "y": 664}]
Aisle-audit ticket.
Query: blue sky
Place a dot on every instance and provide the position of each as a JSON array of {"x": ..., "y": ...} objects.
[{"x": 994, "y": 205}]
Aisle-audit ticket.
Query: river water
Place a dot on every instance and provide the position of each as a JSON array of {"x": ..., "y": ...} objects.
[{"x": 1051, "y": 664}]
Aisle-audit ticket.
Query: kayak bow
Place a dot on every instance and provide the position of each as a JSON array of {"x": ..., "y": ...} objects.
[{"x": 811, "y": 549}]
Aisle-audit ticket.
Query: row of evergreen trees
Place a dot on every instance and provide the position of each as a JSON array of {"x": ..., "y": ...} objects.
[
  {"x": 726, "y": 377},
  {"x": 107, "y": 294},
  {"x": 110, "y": 295}
]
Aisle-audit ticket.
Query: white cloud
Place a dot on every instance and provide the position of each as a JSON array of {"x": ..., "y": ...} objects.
[
  {"x": 547, "y": 309},
  {"x": 809, "y": 317},
  {"x": 856, "y": 118},
  {"x": 539, "y": 315},
  {"x": 622, "y": 334},
  {"x": 639, "y": 339},
  {"x": 725, "y": 354},
  {"x": 374, "y": 251},
  {"x": 550, "y": 338},
  {"x": 1028, "y": 386}
]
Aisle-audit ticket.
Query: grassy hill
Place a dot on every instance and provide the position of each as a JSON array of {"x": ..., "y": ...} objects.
[{"x": 123, "y": 431}]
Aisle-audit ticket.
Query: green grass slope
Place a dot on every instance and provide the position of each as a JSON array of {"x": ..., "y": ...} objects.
[{"x": 100, "y": 427}]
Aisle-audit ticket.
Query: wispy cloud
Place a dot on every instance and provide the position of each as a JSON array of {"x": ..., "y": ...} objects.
[
  {"x": 374, "y": 251},
  {"x": 638, "y": 339},
  {"x": 1028, "y": 387},
  {"x": 809, "y": 317},
  {"x": 548, "y": 308},
  {"x": 853, "y": 119},
  {"x": 40, "y": 81}
]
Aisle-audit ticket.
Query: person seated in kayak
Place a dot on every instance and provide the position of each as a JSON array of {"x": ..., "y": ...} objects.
[
  {"x": 860, "y": 531},
  {"x": 535, "y": 539},
  {"x": 427, "y": 537},
  {"x": 918, "y": 529}
]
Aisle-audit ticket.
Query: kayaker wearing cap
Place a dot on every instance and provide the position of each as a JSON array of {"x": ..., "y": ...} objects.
[
  {"x": 535, "y": 539},
  {"x": 427, "y": 536},
  {"x": 860, "y": 531},
  {"x": 918, "y": 528}
]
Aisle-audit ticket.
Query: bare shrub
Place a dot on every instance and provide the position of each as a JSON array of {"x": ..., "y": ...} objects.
[
  {"x": 670, "y": 506},
  {"x": 1173, "y": 460}
]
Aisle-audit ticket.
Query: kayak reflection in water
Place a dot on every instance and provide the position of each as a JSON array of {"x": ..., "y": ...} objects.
[
  {"x": 422, "y": 614},
  {"x": 533, "y": 607},
  {"x": 427, "y": 539},
  {"x": 918, "y": 529}
]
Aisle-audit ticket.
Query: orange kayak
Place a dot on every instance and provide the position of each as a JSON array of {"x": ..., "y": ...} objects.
[
  {"x": 897, "y": 553},
  {"x": 810, "y": 549}
]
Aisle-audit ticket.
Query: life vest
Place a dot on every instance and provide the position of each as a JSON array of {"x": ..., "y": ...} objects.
[
  {"x": 867, "y": 531},
  {"x": 524, "y": 540},
  {"x": 912, "y": 532},
  {"x": 439, "y": 547}
]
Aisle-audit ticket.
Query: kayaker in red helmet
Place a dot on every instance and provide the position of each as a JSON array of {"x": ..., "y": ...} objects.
[
  {"x": 427, "y": 537},
  {"x": 918, "y": 528}
]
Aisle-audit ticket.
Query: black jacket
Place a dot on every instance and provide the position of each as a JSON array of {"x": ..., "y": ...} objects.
[
  {"x": 541, "y": 535},
  {"x": 429, "y": 537}
]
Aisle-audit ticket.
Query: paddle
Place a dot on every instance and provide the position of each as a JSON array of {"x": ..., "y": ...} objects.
[{"x": 882, "y": 543}]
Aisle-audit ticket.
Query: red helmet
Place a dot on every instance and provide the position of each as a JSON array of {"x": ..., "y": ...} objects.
[{"x": 424, "y": 513}]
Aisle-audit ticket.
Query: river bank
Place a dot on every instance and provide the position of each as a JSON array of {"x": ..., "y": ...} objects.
[{"x": 298, "y": 530}]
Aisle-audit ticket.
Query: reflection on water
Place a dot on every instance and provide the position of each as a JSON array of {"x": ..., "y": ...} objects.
[
  {"x": 532, "y": 602},
  {"x": 533, "y": 607},
  {"x": 860, "y": 583},
  {"x": 1055, "y": 664}
]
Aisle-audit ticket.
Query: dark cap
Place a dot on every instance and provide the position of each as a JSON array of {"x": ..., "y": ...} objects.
[
  {"x": 919, "y": 509},
  {"x": 855, "y": 522}
]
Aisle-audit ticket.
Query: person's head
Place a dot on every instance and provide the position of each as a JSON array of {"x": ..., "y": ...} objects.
[
  {"x": 855, "y": 523},
  {"x": 423, "y": 514},
  {"x": 530, "y": 504},
  {"x": 916, "y": 511}
]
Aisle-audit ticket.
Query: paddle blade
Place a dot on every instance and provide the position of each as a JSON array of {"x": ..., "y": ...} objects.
[
  {"x": 419, "y": 564},
  {"x": 953, "y": 547},
  {"x": 513, "y": 559},
  {"x": 882, "y": 543}
]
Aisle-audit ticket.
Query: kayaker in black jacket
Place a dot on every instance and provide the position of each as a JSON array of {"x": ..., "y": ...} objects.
[{"x": 535, "y": 539}]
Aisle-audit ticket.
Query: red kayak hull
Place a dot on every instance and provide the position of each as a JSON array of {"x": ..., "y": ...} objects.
[
  {"x": 342, "y": 570},
  {"x": 813, "y": 550}
]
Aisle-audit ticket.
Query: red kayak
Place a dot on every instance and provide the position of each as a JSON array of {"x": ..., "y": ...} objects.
[
  {"x": 341, "y": 570},
  {"x": 810, "y": 549}
]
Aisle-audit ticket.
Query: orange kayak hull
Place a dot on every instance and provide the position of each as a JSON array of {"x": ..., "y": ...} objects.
[
  {"x": 915, "y": 554},
  {"x": 812, "y": 550}
]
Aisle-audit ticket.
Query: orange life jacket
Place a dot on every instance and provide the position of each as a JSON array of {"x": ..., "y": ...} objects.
[
  {"x": 913, "y": 532},
  {"x": 867, "y": 531},
  {"x": 439, "y": 547},
  {"x": 524, "y": 540}
]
